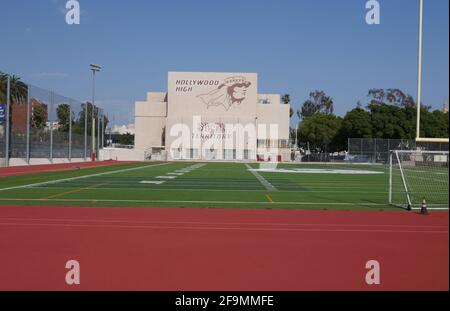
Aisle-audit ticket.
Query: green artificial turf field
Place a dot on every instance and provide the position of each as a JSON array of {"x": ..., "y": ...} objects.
[{"x": 214, "y": 185}]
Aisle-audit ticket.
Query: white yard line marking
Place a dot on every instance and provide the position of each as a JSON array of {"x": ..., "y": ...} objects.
[
  {"x": 166, "y": 177},
  {"x": 261, "y": 179},
  {"x": 173, "y": 175},
  {"x": 315, "y": 171},
  {"x": 154, "y": 182},
  {"x": 82, "y": 177}
]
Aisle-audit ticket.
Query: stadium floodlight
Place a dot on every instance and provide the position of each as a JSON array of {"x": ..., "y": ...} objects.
[
  {"x": 95, "y": 67},
  {"x": 417, "y": 176}
]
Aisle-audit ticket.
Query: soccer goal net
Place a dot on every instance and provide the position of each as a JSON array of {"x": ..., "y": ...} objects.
[{"x": 415, "y": 176}]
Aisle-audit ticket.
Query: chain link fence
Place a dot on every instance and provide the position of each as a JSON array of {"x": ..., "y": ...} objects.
[
  {"x": 38, "y": 125},
  {"x": 376, "y": 150}
]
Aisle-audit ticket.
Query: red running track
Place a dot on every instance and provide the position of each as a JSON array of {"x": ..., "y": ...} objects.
[
  {"x": 219, "y": 249},
  {"x": 42, "y": 168}
]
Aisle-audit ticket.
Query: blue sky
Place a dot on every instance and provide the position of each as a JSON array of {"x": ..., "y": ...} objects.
[{"x": 295, "y": 46}]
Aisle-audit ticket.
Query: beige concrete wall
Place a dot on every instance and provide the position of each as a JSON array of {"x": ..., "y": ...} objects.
[
  {"x": 219, "y": 99},
  {"x": 154, "y": 97},
  {"x": 212, "y": 94},
  {"x": 153, "y": 109},
  {"x": 120, "y": 154},
  {"x": 148, "y": 132},
  {"x": 150, "y": 120},
  {"x": 275, "y": 114}
]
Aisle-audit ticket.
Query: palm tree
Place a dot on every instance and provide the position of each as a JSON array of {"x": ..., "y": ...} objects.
[
  {"x": 3, "y": 79},
  {"x": 328, "y": 104},
  {"x": 18, "y": 89},
  {"x": 18, "y": 95},
  {"x": 286, "y": 99}
]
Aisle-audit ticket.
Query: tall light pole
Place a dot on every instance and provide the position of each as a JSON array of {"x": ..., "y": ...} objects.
[
  {"x": 94, "y": 68},
  {"x": 419, "y": 70}
]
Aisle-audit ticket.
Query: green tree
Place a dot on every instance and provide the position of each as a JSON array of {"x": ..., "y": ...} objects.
[
  {"x": 3, "y": 79},
  {"x": 321, "y": 131},
  {"x": 388, "y": 121},
  {"x": 18, "y": 95},
  {"x": 357, "y": 124},
  {"x": 78, "y": 126},
  {"x": 286, "y": 99},
  {"x": 105, "y": 127},
  {"x": 292, "y": 134},
  {"x": 441, "y": 127},
  {"x": 377, "y": 96},
  {"x": 18, "y": 92},
  {"x": 392, "y": 96},
  {"x": 38, "y": 117},
  {"x": 318, "y": 102},
  {"x": 433, "y": 124},
  {"x": 399, "y": 98},
  {"x": 18, "y": 89},
  {"x": 126, "y": 139},
  {"x": 64, "y": 118}
]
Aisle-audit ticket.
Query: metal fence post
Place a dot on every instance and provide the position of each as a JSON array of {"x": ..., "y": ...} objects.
[
  {"x": 70, "y": 131},
  {"x": 98, "y": 132},
  {"x": 375, "y": 151},
  {"x": 8, "y": 102},
  {"x": 28, "y": 121},
  {"x": 361, "y": 146},
  {"x": 103, "y": 131},
  {"x": 85, "y": 130},
  {"x": 390, "y": 177},
  {"x": 51, "y": 125},
  {"x": 93, "y": 134}
]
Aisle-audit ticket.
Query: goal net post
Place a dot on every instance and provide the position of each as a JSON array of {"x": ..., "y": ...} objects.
[{"x": 416, "y": 176}]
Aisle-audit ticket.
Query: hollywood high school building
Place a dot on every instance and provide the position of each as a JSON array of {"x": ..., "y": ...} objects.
[{"x": 212, "y": 116}]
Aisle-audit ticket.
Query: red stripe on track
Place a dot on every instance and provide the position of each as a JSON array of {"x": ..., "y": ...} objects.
[
  {"x": 42, "y": 168},
  {"x": 204, "y": 249}
]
